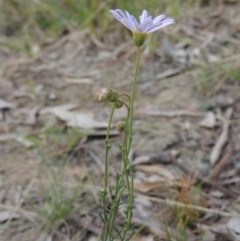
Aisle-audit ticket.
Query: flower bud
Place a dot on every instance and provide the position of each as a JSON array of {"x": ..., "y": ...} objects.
[
  {"x": 120, "y": 126},
  {"x": 113, "y": 97},
  {"x": 118, "y": 105},
  {"x": 139, "y": 38},
  {"x": 103, "y": 94}
]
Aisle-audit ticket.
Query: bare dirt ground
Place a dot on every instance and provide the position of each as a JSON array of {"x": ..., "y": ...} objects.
[{"x": 186, "y": 148}]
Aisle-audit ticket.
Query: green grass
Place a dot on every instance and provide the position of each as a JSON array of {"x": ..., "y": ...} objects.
[
  {"x": 60, "y": 194},
  {"x": 179, "y": 218},
  {"x": 53, "y": 192},
  {"x": 210, "y": 78},
  {"x": 59, "y": 201}
]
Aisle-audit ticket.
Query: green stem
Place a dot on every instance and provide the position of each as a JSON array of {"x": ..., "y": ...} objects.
[
  {"x": 107, "y": 147},
  {"x": 132, "y": 99},
  {"x": 115, "y": 205},
  {"x": 124, "y": 171},
  {"x": 128, "y": 147},
  {"x": 125, "y": 95}
]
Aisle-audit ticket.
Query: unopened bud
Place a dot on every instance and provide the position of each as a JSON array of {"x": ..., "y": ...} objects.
[
  {"x": 103, "y": 94},
  {"x": 118, "y": 105},
  {"x": 113, "y": 97},
  {"x": 120, "y": 126}
]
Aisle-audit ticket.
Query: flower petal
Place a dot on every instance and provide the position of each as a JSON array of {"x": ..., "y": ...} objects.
[
  {"x": 116, "y": 15},
  {"x": 143, "y": 16},
  {"x": 125, "y": 22},
  {"x": 160, "y": 25},
  {"x": 146, "y": 24},
  {"x": 136, "y": 23},
  {"x": 130, "y": 20},
  {"x": 159, "y": 18},
  {"x": 121, "y": 17},
  {"x": 121, "y": 13}
]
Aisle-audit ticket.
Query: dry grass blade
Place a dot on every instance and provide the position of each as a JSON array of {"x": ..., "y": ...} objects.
[{"x": 169, "y": 73}]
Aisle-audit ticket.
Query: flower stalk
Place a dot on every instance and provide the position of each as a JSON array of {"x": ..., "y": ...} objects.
[
  {"x": 124, "y": 178},
  {"x": 132, "y": 99}
]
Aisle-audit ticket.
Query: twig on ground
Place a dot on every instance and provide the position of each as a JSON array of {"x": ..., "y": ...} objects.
[
  {"x": 169, "y": 73},
  {"x": 179, "y": 204},
  {"x": 222, "y": 163},
  {"x": 216, "y": 151},
  {"x": 175, "y": 113}
]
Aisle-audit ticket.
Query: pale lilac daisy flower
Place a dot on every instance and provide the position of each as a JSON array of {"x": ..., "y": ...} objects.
[{"x": 146, "y": 25}]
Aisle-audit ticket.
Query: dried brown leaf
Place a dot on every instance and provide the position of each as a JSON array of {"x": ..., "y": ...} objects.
[
  {"x": 52, "y": 109},
  {"x": 74, "y": 119},
  {"x": 143, "y": 238},
  {"x": 157, "y": 169},
  {"x": 147, "y": 186}
]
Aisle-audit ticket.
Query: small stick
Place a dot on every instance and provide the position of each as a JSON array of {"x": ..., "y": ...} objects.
[
  {"x": 216, "y": 151},
  {"x": 180, "y": 204},
  {"x": 222, "y": 163}
]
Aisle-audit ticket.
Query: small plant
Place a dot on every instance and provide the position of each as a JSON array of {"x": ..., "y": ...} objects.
[
  {"x": 183, "y": 217},
  {"x": 57, "y": 199},
  {"x": 124, "y": 178},
  {"x": 210, "y": 78}
]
